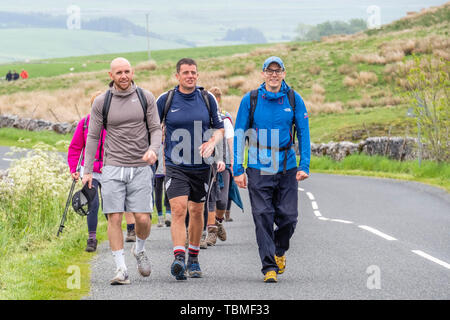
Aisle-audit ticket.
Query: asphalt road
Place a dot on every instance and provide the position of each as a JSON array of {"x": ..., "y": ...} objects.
[
  {"x": 357, "y": 238},
  {"x": 6, "y": 159}
]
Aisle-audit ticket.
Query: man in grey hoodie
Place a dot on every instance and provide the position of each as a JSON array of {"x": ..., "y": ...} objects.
[{"x": 126, "y": 174}]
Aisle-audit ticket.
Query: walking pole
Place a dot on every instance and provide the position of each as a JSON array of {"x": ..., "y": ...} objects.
[
  {"x": 212, "y": 177},
  {"x": 63, "y": 219}
]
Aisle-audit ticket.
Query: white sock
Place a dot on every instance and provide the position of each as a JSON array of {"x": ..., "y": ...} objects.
[
  {"x": 139, "y": 245},
  {"x": 119, "y": 259}
]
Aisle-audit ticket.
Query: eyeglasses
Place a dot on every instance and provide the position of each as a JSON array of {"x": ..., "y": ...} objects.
[{"x": 271, "y": 71}]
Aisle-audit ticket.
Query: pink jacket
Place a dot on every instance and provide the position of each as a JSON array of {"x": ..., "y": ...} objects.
[{"x": 79, "y": 142}]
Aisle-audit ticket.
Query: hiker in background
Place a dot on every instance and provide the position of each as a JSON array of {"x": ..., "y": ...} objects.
[
  {"x": 15, "y": 76},
  {"x": 160, "y": 192},
  {"x": 219, "y": 189},
  {"x": 77, "y": 145},
  {"x": 9, "y": 76},
  {"x": 24, "y": 74},
  {"x": 131, "y": 119},
  {"x": 192, "y": 111},
  {"x": 270, "y": 116}
]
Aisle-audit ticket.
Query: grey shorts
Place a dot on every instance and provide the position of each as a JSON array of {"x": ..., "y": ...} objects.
[{"x": 127, "y": 189}]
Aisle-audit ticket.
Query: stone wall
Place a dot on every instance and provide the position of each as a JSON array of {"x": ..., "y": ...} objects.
[
  {"x": 12, "y": 121},
  {"x": 397, "y": 148}
]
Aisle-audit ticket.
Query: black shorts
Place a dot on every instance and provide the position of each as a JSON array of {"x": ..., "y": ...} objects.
[{"x": 192, "y": 183}]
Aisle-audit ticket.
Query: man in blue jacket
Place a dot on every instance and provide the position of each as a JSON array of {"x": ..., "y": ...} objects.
[
  {"x": 266, "y": 117},
  {"x": 189, "y": 115}
]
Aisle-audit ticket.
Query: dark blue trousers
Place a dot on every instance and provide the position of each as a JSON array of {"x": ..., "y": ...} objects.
[
  {"x": 274, "y": 199},
  {"x": 92, "y": 217}
]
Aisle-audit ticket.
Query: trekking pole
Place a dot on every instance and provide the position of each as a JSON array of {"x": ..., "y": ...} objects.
[
  {"x": 212, "y": 177},
  {"x": 63, "y": 219}
]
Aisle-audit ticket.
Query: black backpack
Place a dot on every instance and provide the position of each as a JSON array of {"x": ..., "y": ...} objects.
[
  {"x": 253, "y": 103},
  {"x": 107, "y": 104},
  {"x": 168, "y": 104}
]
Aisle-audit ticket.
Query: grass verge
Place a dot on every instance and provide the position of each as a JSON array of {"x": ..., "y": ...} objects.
[
  {"x": 27, "y": 139},
  {"x": 432, "y": 173},
  {"x": 50, "y": 271}
]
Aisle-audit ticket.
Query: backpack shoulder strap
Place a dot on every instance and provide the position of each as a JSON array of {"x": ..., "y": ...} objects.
[
  {"x": 169, "y": 99},
  {"x": 205, "y": 96},
  {"x": 85, "y": 126},
  {"x": 291, "y": 97},
  {"x": 144, "y": 105},
  {"x": 106, "y": 105},
  {"x": 143, "y": 102},
  {"x": 253, "y": 102}
]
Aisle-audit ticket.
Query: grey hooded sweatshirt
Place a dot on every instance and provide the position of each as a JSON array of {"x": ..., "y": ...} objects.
[{"x": 126, "y": 140}]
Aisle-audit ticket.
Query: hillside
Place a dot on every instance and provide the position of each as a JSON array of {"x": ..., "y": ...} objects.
[{"x": 352, "y": 85}]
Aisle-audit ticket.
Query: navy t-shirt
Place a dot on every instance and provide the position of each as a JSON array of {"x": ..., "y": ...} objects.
[{"x": 187, "y": 128}]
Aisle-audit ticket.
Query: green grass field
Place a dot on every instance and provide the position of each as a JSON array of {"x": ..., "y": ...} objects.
[{"x": 60, "y": 66}]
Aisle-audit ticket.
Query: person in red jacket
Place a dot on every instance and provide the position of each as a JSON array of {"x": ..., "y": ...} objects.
[{"x": 24, "y": 74}]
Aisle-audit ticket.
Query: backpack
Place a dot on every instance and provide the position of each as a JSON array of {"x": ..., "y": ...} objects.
[
  {"x": 253, "y": 103},
  {"x": 168, "y": 104},
  {"x": 107, "y": 104},
  {"x": 85, "y": 127}
]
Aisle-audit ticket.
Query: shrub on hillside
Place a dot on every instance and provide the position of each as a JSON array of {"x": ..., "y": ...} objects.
[
  {"x": 428, "y": 89},
  {"x": 361, "y": 79}
]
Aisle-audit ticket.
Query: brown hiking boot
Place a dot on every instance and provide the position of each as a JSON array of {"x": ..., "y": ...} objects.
[
  {"x": 91, "y": 245},
  {"x": 211, "y": 238},
  {"x": 131, "y": 236},
  {"x": 221, "y": 233},
  {"x": 227, "y": 216},
  {"x": 203, "y": 244}
]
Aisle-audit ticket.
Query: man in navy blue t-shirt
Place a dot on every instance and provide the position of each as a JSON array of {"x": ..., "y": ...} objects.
[{"x": 187, "y": 124}]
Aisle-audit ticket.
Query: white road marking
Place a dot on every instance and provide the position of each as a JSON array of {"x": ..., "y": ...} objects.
[
  {"x": 431, "y": 258},
  {"x": 314, "y": 205},
  {"x": 300, "y": 189},
  {"x": 317, "y": 213},
  {"x": 310, "y": 195},
  {"x": 341, "y": 221},
  {"x": 378, "y": 233},
  {"x": 7, "y": 159},
  {"x": 323, "y": 218}
]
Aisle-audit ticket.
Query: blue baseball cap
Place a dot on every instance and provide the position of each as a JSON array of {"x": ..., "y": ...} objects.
[{"x": 273, "y": 59}]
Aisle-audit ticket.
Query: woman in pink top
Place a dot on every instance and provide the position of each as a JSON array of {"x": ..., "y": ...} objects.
[{"x": 77, "y": 145}]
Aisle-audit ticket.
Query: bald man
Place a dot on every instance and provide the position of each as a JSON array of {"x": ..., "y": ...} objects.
[{"x": 126, "y": 173}]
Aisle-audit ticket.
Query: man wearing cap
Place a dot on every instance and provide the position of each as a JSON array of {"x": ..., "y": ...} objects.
[{"x": 269, "y": 117}]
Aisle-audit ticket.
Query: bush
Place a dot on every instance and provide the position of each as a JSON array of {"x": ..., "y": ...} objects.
[
  {"x": 32, "y": 199},
  {"x": 429, "y": 90}
]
